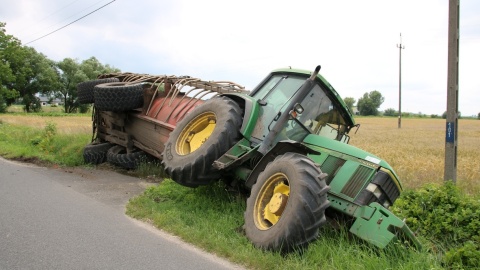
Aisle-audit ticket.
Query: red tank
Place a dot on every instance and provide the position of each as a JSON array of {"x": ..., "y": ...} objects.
[{"x": 172, "y": 110}]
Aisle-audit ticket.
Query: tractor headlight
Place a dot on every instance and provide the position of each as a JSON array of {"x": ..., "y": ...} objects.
[{"x": 377, "y": 192}]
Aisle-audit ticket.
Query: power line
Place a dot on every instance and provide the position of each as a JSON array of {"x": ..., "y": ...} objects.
[
  {"x": 67, "y": 18},
  {"x": 71, "y": 22},
  {"x": 55, "y": 12}
]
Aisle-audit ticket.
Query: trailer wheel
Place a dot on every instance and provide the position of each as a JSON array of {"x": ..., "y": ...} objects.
[
  {"x": 119, "y": 96},
  {"x": 85, "y": 89},
  {"x": 118, "y": 156},
  {"x": 96, "y": 153},
  {"x": 201, "y": 137},
  {"x": 287, "y": 204}
]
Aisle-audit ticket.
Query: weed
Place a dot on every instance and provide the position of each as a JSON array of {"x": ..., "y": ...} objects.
[
  {"x": 48, "y": 137},
  {"x": 150, "y": 169},
  {"x": 447, "y": 217}
]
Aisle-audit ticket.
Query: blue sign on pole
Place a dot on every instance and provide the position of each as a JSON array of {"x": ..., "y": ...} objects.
[{"x": 450, "y": 132}]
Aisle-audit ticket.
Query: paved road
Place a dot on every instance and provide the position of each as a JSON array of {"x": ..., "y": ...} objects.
[{"x": 74, "y": 219}]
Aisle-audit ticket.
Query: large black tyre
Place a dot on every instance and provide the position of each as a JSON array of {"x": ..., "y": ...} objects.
[
  {"x": 85, "y": 89},
  {"x": 118, "y": 96},
  {"x": 96, "y": 153},
  {"x": 118, "y": 156},
  {"x": 201, "y": 137},
  {"x": 287, "y": 204}
]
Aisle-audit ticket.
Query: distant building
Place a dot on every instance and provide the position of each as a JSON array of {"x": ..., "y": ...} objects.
[
  {"x": 355, "y": 110},
  {"x": 46, "y": 100}
]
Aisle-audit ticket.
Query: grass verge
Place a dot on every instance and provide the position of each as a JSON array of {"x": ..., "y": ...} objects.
[
  {"x": 42, "y": 145},
  {"x": 211, "y": 217}
]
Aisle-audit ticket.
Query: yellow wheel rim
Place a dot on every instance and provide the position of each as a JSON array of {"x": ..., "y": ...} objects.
[
  {"x": 271, "y": 201},
  {"x": 196, "y": 133}
]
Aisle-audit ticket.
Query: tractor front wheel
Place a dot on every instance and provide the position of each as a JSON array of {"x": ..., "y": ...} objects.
[{"x": 287, "y": 204}]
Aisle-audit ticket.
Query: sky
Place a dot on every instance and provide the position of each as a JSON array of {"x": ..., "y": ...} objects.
[{"x": 354, "y": 41}]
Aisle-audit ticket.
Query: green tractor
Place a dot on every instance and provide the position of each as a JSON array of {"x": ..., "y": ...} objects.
[{"x": 285, "y": 143}]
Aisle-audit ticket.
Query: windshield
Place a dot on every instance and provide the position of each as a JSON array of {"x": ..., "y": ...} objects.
[
  {"x": 273, "y": 96},
  {"x": 320, "y": 116}
]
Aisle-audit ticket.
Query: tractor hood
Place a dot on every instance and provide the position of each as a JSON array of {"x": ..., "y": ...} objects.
[{"x": 313, "y": 141}]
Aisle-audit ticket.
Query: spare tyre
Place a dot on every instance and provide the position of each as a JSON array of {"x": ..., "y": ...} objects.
[
  {"x": 85, "y": 89},
  {"x": 118, "y": 156},
  {"x": 96, "y": 153},
  {"x": 200, "y": 138},
  {"x": 118, "y": 96}
]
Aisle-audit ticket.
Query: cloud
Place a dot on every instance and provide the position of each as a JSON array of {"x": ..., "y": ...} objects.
[{"x": 354, "y": 41}]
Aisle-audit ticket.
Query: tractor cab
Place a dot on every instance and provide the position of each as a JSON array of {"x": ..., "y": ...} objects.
[{"x": 321, "y": 111}]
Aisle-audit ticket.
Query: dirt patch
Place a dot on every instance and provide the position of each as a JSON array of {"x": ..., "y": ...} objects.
[
  {"x": 32, "y": 160},
  {"x": 105, "y": 183}
]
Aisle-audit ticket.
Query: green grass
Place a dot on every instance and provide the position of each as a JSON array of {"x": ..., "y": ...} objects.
[
  {"x": 45, "y": 110},
  {"x": 211, "y": 217},
  {"x": 150, "y": 169},
  {"x": 27, "y": 143}
]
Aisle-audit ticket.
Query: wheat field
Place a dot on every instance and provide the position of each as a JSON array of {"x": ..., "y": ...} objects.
[
  {"x": 65, "y": 124},
  {"x": 416, "y": 151}
]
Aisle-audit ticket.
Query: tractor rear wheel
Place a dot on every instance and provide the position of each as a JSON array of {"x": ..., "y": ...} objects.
[
  {"x": 201, "y": 137},
  {"x": 287, "y": 204}
]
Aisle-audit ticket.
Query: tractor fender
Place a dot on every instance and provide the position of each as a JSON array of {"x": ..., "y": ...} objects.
[
  {"x": 280, "y": 148},
  {"x": 250, "y": 109}
]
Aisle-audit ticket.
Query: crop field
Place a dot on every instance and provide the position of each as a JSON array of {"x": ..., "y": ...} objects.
[
  {"x": 416, "y": 151},
  {"x": 81, "y": 124}
]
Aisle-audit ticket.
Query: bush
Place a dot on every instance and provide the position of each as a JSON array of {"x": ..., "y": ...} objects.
[
  {"x": 3, "y": 106},
  {"x": 46, "y": 140},
  {"x": 466, "y": 255},
  {"x": 84, "y": 108},
  {"x": 444, "y": 215},
  {"x": 390, "y": 112}
]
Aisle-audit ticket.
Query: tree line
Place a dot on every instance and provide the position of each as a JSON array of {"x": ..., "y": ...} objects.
[
  {"x": 24, "y": 73},
  {"x": 368, "y": 104}
]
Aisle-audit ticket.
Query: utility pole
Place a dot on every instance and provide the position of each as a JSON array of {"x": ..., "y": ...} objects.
[
  {"x": 451, "y": 132},
  {"x": 400, "y": 48}
]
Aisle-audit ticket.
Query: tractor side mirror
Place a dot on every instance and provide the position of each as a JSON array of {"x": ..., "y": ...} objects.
[{"x": 298, "y": 108}]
